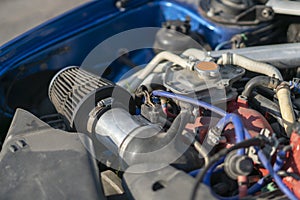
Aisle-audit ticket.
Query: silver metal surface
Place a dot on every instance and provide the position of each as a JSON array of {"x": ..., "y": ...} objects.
[
  {"x": 285, "y": 7},
  {"x": 116, "y": 124},
  {"x": 189, "y": 83},
  {"x": 280, "y": 55}
]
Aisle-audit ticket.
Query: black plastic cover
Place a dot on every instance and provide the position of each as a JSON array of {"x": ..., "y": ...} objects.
[
  {"x": 142, "y": 183},
  {"x": 39, "y": 162}
]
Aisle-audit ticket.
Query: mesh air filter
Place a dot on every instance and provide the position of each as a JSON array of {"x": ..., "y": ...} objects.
[{"x": 70, "y": 87}]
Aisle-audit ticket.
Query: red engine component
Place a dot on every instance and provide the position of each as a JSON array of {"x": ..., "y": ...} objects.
[
  {"x": 202, "y": 125},
  {"x": 252, "y": 120},
  {"x": 293, "y": 164}
]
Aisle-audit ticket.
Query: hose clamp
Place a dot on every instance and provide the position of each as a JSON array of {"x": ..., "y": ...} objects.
[{"x": 282, "y": 85}]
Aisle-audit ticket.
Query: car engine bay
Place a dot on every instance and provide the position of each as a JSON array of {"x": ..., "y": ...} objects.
[{"x": 163, "y": 99}]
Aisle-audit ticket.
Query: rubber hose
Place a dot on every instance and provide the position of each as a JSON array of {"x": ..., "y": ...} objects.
[
  {"x": 250, "y": 65},
  {"x": 286, "y": 107},
  {"x": 264, "y": 81},
  {"x": 165, "y": 55}
]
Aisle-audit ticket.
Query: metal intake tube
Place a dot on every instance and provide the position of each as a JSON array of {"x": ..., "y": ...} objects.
[{"x": 104, "y": 111}]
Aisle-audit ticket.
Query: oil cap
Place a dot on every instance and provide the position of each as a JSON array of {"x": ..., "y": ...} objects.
[{"x": 207, "y": 69}]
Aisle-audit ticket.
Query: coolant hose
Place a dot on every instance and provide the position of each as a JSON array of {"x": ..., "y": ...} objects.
[
  {"x": 250, "y": 65},
  {"x": 286, "y": 107},
  {"x": 165, "y": 55},
  {"x": 264, "y": 81},
  {"x": 283, "y": 94}
]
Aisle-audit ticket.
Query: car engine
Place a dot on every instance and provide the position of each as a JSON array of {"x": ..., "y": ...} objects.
[{"x": 154, "y": 100}]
